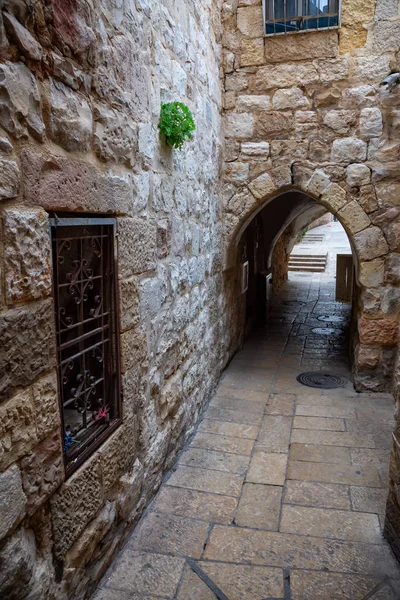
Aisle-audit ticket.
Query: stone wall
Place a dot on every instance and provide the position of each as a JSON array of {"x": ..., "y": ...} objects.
[
  {"x": 309, "y": 112},
  {"x": 81, "y": 86}
]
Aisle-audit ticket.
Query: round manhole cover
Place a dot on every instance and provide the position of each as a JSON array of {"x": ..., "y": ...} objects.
[
  {"x": 324, "y": 331},
  {"x": 322, "y": 380},
  {"x": 332, "y": 319}
]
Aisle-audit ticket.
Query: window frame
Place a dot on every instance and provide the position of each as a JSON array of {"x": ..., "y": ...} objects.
[
  {"x": 266, "y": 5},
  {"x": 88, "y": 449}
]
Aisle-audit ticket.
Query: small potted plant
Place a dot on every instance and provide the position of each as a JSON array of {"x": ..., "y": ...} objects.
[{"x": 176, "y": 123}]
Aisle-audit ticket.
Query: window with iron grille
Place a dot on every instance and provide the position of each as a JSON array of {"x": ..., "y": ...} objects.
[
  {"x": 290, "y": 16},
  {"x": 87, "y": 333}
]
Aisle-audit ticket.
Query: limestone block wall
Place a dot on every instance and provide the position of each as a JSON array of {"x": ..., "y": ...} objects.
[
  {"x": 309, "y": 112},
  {"x": 81, "y": 86}
]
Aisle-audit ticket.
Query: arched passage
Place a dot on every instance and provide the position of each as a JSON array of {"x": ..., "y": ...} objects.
[{"x": 309, "y": 192}]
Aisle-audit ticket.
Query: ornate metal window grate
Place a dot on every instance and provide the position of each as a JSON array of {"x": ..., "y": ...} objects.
[
  {"x": 296, "y": 16},
  {"x": 87, "y": 333}
]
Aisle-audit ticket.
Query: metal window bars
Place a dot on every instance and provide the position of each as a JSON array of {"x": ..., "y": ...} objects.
[
  {"x": 296, "y": 16},
  {"x": 84, "y": 284}
]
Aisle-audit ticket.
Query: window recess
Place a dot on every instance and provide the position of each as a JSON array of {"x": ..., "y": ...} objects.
[
  {"x": 296, "y": 16},
  {"x": 87, "y": 333}
]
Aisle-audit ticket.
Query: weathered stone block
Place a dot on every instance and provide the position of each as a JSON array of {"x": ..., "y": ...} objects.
[
  {"x": 137, "y": 246},
  {"x": 46, "y": 403},
  {"x": 348, "y": 150},
  {"x": 380, "y": 332},
  {"x": 287, "y": 75},
  {"x": 319, "y": 183},
  {"x": 20, "y": 98},
  {"x": 17, "y": 428},
  {"x": 290, "y": 99},
  {"x": 42, "y": 471},
  {"x": 115, "y": 136},
  {"x": 239, "y": 126},
  {"x": 367, "y": 357},
  {"x": 57, "y": 183},
  {"x": 253, "y": 102},
  {"x": 262, "y": 186},
  {"x": 133, "y": 349},
  {"x": 129, "y": 303},
  {"x": 27, "y": 349},
  {"x": 371, "y": 123},
  {"x": 84, "y": 548},
  {"x": 130, "y": 488},
  {"x": 236, "y": 82},
  {"x": 27, "y": 255},
  {"x": 372, "y": 273},
  {"x": 18, "y": 558},
  {"x": 296, "y": 47},
  {"x": 353, "y": 218},
  {"x": 362, "y": 95},
  {"x": 9, "y": 179},
  {"x": 358, "y": 175},
  {"x": 367, "y": 198},
  {"x": 237, "y": 172},
  {"x": 260, "y": 149},
  {"x": 21, "y": 36},
  {"x": 252, "y": 52},
  {"x": 118, "y": 454},
  {"x": 334, "y": 69},
  {"x": 388, "y": 193},
  {"x": 392, "y": 268},
  {"x": 71, "y": 120},
  {"x": 366, "y": 69},
  {"x": 272, "y": 123},
  {"x": 250, "y": 21},
  {"x": 370, "y": 243},
  {"x": 340, "y": 121},
  {"x": 12, "y": 500},
  {"x": 75, "y": 504},
  {"x": 334, "y": 198}
]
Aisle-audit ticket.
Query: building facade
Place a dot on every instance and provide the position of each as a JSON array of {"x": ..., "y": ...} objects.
[{"x": 120, "y": 300}]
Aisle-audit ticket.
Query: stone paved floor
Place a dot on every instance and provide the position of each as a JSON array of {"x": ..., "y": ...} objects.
[{"x": 282, "y": 490}]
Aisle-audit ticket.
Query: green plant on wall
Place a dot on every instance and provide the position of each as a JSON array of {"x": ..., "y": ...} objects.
[{"x": 176, "y": 123}]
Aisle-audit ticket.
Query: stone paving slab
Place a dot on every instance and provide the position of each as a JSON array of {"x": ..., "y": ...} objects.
[
  {"x": 223, "y": 443},
  {"x": 203, "y": 480},
  {"x": 230, "y": 429},
  {"x": 333, "y": 473},
  {"x": 182, "y": 502},
  {"x": 269, "y": 469},
  {"x": 323, "y": 495},
  {"x": 335, "y": 524},
  {"x": 285, "y": 550},
  {"x": 259, "y": 507},
  {"x": 320, "y": 454},
  {"x": 281, "y": 492}
]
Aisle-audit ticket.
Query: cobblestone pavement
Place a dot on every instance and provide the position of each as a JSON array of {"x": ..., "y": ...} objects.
[{"x": 281, "y": 492}]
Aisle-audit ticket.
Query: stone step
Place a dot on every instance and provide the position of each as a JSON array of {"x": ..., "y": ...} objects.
[{"x": 306, "y": 268}]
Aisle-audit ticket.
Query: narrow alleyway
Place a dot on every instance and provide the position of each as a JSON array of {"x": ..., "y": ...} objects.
[{"x": 281, "y": 493}]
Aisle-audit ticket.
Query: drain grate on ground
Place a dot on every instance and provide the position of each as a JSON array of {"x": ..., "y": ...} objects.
[
  {"x": 332, "y": 319},
  {"x": 321, "y": 380},
  {"x": 325, "y": 331}
]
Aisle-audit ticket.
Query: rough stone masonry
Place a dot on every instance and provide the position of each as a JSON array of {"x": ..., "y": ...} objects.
[{"x": 81, "y": 87}]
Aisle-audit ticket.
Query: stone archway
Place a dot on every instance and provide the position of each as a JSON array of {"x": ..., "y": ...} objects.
[{"x": 377, "y": 327}]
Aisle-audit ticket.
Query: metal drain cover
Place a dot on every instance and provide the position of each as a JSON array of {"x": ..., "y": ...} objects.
[
  {"x": 322, "y": 380},
  {"x": 324, "y": 331},
  {"x": 332, "y": 319}
]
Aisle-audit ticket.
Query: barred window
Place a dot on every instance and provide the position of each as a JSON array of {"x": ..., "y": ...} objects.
[
  {"x": 87, "y": 333},
  {"x": 288, "y": 16}
]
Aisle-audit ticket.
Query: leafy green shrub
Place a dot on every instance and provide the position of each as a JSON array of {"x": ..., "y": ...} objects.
[{"x": 176, "y": 123}]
